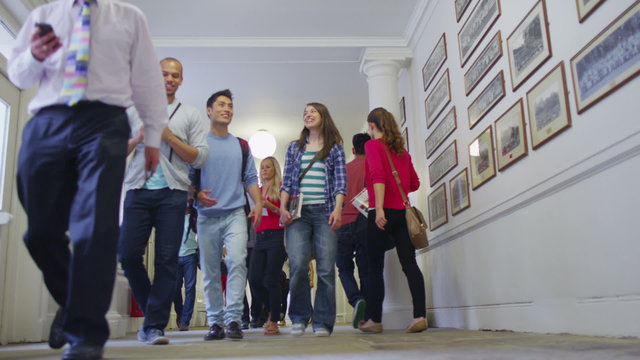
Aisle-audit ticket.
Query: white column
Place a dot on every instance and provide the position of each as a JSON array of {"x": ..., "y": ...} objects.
[{"x": 382, "y": 67}]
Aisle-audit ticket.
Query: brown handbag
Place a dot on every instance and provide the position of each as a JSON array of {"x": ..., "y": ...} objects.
[{"x": 416, "y": 226}]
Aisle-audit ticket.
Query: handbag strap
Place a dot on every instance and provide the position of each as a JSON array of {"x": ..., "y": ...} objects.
[
  {"x": 395, "y": 175},
  {"x": 304, "y": 172}
]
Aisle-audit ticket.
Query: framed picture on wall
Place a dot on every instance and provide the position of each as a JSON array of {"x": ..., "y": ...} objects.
[
  {"x": 529, "y": 45},
  {"x": 441, "y": 132},
  {"x": 488, "y": 98},
  {"x": 481, "y": 159},
  {"x": 439, "y": 97},
  {"x": 485, "y": 61},
  {"x": 437, "y": 207},
  {"x": 403, "y": 112},
  {"x": 405, "y": 135},
  {"x": 446, "y": 161},
  {"x": 610, "y": 60},
  {"x": 461, "y": 6},
  {"x": 434, "y": 63},
  {"x": 459, "y": 189},
  {"x": 548, "y": 107},
  {"x": 482, "y": 18},
  {"x": 511, "y": 139},
  {"x": 586, "y": 7}
]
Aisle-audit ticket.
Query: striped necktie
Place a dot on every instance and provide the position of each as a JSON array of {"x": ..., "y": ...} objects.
[{"x": 75, "y": 73}]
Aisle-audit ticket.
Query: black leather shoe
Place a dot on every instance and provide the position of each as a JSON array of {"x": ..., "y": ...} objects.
[
  {"x": 215, "y": 333},
  {"x": 245, "y": 325},
  {"x": 233, "y": 331},
  {"x": 56, "y": 336},
  {"x": 83, "y": 352}
]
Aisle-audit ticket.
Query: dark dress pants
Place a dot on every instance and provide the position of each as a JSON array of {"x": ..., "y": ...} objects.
[
  {"x": 264, "y": 273},
  {"x": 70, "y": 171},
  {"x": 163, "y": 210},
  {"x": 187, "y": 272}
]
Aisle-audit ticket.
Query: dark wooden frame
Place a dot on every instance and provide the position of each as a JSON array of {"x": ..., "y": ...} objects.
[
  {"x": 441, "y": 105},
  {"x": 478, "y": 35},
  {"x": 427, "y": 79},
  {"x": 405, "y": 134},
  {"x": 476, "y": 119},
  {"x": 552, "y": 131},
  {"x": 610, "y": 85},
  {"x": 433, "y": 180},
  {"x": 403, "y": 112},
  {"x": 466, "y": 189},
  {"x": 482, "y": 64},
  {"x": 460, "y": 11},
  {"x": 537, "y": 12},
  {"x": 436, "y": 132},
  {"x": 514, "y": 155},
  {"x": 491, "y": 160},
  {"x": 442, "y": 189},
  {"x": 583, "y": 13}
]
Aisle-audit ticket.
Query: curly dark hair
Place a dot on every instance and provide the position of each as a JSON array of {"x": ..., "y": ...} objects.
[{"x": 386, "y": 123}]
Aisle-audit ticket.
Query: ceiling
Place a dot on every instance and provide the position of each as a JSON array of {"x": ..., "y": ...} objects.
[{"x": 274, "y": 55}]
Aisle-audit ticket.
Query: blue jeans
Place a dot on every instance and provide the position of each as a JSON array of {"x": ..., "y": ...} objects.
[
  {"x": 352, "y": 244},
  {"x": 163, "y": 210},
  {"x": 187, "y": 270},
  {"x": 213, "y": 233},
  {"x": 309, "y": 234}
]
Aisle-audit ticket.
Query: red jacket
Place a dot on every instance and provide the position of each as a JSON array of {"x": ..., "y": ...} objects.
[{"x": 378, "y": 171}]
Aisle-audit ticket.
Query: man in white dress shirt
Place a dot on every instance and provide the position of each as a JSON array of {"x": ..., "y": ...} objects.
[{"x": 72, "y": 158}]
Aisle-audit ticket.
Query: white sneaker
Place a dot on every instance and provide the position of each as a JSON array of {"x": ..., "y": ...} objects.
[
  {"x": 298, "y": 329},
  {"x": 321, "y": 332}
]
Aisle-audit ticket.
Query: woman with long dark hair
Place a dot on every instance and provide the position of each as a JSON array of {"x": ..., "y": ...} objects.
[
  {"x": 386, "y": 219},
  {"x": 315, "y": 170}
]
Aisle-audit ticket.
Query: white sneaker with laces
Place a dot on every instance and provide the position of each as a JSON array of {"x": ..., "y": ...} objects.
[{"x": 298, "y": 329}]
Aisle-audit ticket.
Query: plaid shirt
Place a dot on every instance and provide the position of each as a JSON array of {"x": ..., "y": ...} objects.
[{"x": 335, "y": 171}]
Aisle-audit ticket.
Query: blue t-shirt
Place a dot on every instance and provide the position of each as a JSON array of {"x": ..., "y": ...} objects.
[{"x": 222, "y": 175}]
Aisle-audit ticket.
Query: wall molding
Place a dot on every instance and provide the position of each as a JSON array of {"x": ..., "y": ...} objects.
[{"x": 618, "y": 152}]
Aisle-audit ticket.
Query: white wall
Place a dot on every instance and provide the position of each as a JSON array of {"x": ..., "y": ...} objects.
[{"x": 551, "y": 243}]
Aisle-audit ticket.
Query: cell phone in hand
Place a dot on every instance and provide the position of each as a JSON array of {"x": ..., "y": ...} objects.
[{"x": 44, "y": 29}]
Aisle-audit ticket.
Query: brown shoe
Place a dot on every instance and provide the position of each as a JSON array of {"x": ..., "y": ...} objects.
[
  {"x": 371, "y": 327},
  {"x": 417, "y": 326},
  {"x": 271, "y": 328},
  {"x": 184, "y": 327}
]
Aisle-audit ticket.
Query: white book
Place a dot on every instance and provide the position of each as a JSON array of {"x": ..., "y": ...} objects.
[{"x": 361, "y": 202}]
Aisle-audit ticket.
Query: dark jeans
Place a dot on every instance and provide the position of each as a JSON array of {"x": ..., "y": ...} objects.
[
  {"x": 396, "y": 229},
  {"x": 350, "y": 244},
  {"x": 264, "y": 273},
  {"x": 187, "y": 270},
  {"x": 163, "y": 210},
  {"x": 70, "y": 171}
]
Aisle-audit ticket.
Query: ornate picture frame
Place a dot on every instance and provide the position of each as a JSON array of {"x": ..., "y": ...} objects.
[
  {"x": 445, "y": 162},
  {"x": 548, "y": 107},
  {"x": 437, "y": 201},
  {"x": 608, "y": 61},
  {"x": 459, "y": 189},
  {"x": 586, "y": 8},
  {"x": 511, "y": 137},
  {"x": 529, "y": 45},
  {"x": 488, "y": 98},
  {"x": 485, "y": 61},
  {"x": 403, "y": 112},
  {"x": 441, "y": 132},
  {"x": 482, "y": 18},
  {"x": 481, "y": 159},
  {"x": 437, "y": 99},
  {"x": 435, "y": 61}
]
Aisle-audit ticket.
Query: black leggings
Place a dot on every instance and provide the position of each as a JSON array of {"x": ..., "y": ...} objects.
[
  {"x": 396, "y": 231},
  {"x": 267, "y": 259}
]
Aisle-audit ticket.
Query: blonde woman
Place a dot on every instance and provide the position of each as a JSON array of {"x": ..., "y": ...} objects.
[
  {"x": 386, "y": 219},
  {"x": 268, "y": 254}
]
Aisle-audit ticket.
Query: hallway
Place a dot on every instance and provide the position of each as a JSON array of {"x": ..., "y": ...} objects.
[{"x": 347, "y": 343}]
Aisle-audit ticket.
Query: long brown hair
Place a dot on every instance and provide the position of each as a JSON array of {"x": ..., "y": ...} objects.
[
  {"x": 274, "y": 188},
  {"x": 386, "y": 123},
  {"x": 330, "y": 134}
]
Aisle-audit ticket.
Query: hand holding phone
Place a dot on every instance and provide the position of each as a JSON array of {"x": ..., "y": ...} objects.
[{"x": 44, "y": 28}]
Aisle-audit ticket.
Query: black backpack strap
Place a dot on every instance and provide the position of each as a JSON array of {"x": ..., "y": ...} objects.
[{"x": 244, "y": 146}]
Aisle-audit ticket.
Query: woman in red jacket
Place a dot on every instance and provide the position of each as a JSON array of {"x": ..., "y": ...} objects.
[{"x": 386, "y": 219}]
